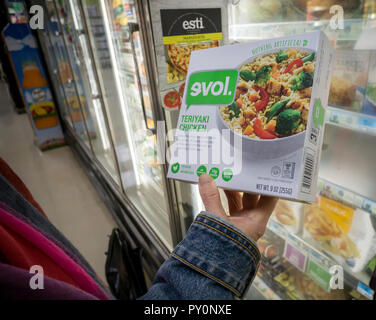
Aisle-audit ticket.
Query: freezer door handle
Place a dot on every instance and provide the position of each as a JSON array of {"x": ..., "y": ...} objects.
[
  {"x": 95, "y": 96},
  {"x": 134, "y": 27}
]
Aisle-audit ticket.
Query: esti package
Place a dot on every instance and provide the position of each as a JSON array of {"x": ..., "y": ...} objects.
[{"x": 253, "y": 116}]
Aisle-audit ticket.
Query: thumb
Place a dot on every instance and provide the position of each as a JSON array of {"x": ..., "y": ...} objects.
[{"x": 210, "y": 195}]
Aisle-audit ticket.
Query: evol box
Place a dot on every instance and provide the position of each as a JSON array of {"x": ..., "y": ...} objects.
[{"x": 253, "y": 116}]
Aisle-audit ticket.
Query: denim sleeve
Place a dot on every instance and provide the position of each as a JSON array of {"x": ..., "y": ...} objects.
[{"x": 215, "y": 260}]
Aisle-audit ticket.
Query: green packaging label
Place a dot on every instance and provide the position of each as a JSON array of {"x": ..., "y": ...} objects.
[
  {"x": 211, "y": 87},
  {"x": 319, "y": 275},
  {"x": 318, "y": 113}
]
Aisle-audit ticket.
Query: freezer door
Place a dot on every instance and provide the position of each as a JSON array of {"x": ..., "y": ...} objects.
[
  {"x": 68, "y": 83},
  {"x": 91, "y": 101},
  {"x": 113, "y": 30},
  {"x": 53, "y": 54}
]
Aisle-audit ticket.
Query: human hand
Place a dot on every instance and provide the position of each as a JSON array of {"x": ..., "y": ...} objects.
[{"x": 248, "y": 212}]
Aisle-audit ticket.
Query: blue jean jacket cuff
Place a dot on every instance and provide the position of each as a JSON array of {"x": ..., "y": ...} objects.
[{"x": 220, "y": 251}]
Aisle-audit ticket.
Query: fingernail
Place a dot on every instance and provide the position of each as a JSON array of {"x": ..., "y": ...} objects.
[{"x": 205, "y": 178}]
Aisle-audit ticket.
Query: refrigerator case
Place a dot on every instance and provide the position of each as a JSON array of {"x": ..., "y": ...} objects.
[
  {"x": 113, "y": 27},
  {"x": 339, "y": 229},
  {"x": 142, "y": 178},
  {"x": 69, "y": 79},
  {"x": 127, "y": 58},
  {"x": 97, "y": 59},
  {"x": 89, "y": 92},
  {"x": 171, "y": 72},
  {"x": 295, "y": 265}
]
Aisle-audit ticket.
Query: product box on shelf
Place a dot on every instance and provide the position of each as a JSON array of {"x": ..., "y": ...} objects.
[
  {"x": 369, "y": 106},
  {"x": 253, "y": 116},
  {"x": 290, "y": 215},
  {"x": 349, "y": 79},
  {"x": 345, "y": 233}
]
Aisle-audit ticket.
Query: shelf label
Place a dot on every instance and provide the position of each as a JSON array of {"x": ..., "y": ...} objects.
[
  {"x": 365, "y": 291},
  {"x": 319, "y": 275},
  {"x": 296, "y": 257},
  {"x": 277, "y": 228},
  {"x": 366, "y": 121}
]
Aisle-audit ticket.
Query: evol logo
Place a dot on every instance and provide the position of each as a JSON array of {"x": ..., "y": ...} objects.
[{"x": 211, "y": 87}]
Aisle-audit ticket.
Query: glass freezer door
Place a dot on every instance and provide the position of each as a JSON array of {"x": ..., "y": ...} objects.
[
  {"x": 92, "y": 105},
  {"x": 52, "y": 47},
  {"x": 67, "y": 76},
  {"x": 114, "y": 37}
]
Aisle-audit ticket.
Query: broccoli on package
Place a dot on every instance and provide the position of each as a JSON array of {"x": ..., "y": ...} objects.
[{"x": 253, "y": 116}]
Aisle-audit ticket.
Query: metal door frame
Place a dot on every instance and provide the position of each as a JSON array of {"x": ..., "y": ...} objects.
[
  {"x": 146, "y": 35},
  {"x": 99, "y": 86}
]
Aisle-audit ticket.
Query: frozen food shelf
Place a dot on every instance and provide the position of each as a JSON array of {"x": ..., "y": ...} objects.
[
  {"x": 264, "y": 289},
  {"x": 310, "y": 252},
  {"x": 356, "y": 121},
  {"x": 257, "y": 31},
  {"x": 345, "y": 196}
]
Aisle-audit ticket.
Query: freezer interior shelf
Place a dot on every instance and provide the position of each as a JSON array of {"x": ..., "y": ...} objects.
[
  {"x": 353, "y": 28},
  {"x": 354, "y": 120},
  {"x": 259, "y": 285},
  {"x": 312, "y": 253},
  {"x": 345, "y": 196},
  {"x": 293, "y": 272}
]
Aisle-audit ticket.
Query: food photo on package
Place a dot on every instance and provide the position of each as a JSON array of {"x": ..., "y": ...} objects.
[
  {"x": 347, "y": 234},
  {"x": 252, "y": 116}
]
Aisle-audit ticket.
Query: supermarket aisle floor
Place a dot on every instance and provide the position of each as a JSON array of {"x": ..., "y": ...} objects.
[{"x": 59, "y": 184}]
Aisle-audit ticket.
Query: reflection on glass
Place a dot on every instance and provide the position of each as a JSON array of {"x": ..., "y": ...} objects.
[
  {"x": 123, "y": 82},
  {"x": 87, "y": 86},
  {"x": 55, "y": 55},
  {"x": 68, "y": 77}
]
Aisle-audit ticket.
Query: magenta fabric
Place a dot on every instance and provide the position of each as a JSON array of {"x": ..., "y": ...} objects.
[
  {"x": 15, "y": 285},
  {"x": 83, "y": 280},
  {"x": 65, "y": 246}
]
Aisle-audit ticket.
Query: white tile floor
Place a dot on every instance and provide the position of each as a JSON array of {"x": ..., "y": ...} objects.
[{"x": 58, "y": 184}]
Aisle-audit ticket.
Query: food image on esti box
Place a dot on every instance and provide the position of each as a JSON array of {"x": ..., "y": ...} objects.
[{"x": 252, "y": 116}]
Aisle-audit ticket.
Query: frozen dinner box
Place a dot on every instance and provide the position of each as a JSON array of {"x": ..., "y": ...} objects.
[{"x": 253, "y": 116}]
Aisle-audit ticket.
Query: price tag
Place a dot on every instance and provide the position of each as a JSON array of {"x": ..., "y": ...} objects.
[
  {"x": 365, "y": 291},
  {"x": 277, "y": 228},
  {"x": 295, "y": 256},
  {"x": 320, "y": 275}
]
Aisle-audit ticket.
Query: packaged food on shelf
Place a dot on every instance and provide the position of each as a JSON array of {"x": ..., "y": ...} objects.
[
  {"x": 369, "y": 9},
  {"x": 185, "y": 31},
  {"x": 262, "y": 104},
  {"x": 320, "y": 9},
  {"x": 349, "y": 79},
  {"x": 299, "y": 286},
  {"x": 290, "y": 215},
  {"x": 346, "y": 234},
  {"x": 256, "y": 11},
  {"x": 369, "y": 106}
]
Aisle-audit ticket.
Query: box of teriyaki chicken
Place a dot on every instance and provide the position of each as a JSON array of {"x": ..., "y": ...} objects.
[{"x": 253, "y": 116}]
